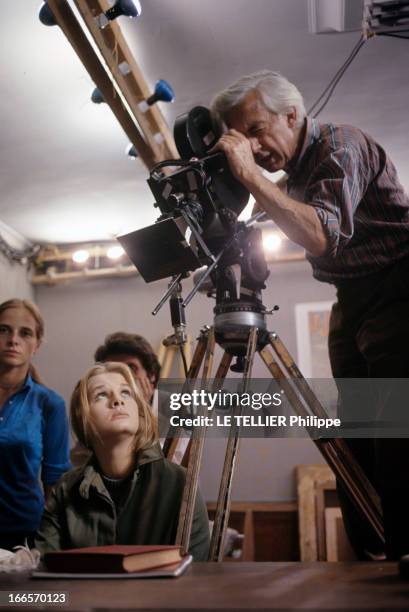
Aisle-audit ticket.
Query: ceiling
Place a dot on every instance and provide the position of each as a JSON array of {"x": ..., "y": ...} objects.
[{"x": 64, "y": 174}]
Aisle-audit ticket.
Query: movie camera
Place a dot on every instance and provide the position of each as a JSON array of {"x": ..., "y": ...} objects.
[{"x": 200, "y": 201}]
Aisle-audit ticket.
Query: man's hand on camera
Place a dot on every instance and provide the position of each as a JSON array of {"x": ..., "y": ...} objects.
[{"x": 239, "y": 154}]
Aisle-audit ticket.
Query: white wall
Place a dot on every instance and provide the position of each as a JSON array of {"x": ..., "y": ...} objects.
[
  {"x": 14, "y": 282},
  {"x": 14, "y": 277},
  {"x": 79, "y": 315}
]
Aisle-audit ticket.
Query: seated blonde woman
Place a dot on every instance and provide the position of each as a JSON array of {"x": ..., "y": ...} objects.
[{"x": 127, "y": 493}]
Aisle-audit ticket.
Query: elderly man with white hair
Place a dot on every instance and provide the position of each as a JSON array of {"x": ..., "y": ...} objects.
[{"x": 343, "y": 202}]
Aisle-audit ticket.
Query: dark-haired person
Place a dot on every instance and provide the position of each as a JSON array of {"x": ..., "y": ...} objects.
[
  {"x": 344, "y": 204},
  {"x": 34, "y": 440},
  {"x": 127, "y": 493},
  {"x": 138, "y": 354}
]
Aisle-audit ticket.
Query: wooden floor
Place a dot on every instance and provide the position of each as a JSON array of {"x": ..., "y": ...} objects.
[{"x": 241, "y": 586}]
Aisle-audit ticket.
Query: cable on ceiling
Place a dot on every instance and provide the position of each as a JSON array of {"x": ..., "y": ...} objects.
[{"x": 329, "y": 90}]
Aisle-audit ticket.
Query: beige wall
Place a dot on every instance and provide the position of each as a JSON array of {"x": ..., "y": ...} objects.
[{"x": 79, "y": 315}]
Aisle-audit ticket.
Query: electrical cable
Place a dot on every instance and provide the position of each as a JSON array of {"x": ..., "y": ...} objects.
[
  {"x": 333, "y": 78},
  {"x": 329, "y": 90}
]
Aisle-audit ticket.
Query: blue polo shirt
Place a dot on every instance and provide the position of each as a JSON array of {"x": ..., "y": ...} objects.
[{"x": 34, "y": 442}]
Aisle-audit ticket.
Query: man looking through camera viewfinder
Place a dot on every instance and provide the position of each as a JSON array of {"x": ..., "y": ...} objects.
[{"x": 343, "y": 203}]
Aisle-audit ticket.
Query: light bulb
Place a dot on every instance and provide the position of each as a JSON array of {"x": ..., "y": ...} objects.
[
  {"x": 272, "y": 242},
  {"x": 80, "y": 256},
  {"x": 115, "y": 252}
]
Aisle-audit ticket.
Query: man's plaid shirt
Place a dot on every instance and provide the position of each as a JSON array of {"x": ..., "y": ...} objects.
[{"x": 355, "y": 190}]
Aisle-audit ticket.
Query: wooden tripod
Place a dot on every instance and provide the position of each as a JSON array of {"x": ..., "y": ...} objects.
[{"x": 303, "y": 401}]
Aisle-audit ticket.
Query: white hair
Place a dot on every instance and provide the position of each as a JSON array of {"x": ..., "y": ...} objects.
[{"x": 277, "y": 93}]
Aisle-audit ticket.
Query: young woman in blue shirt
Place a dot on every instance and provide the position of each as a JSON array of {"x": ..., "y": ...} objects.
[{"x": 34, "y": 438}]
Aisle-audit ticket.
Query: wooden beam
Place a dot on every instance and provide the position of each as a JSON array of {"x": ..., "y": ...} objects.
[
  {"x": 68, "y": 23},
  {"x": 131, "y": 82},
  {"x": 54, "y": 278}
]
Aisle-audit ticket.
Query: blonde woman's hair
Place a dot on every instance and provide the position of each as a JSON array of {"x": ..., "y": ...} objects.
[
  {"x": 39, "y": 327},
  {"x": 81, "y": 423}
]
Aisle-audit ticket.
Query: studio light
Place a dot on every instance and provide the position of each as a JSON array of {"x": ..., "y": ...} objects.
[
  {"x": 128, "y": 8},
  {"x": 46, "y": 16},
  {"x": 115, "y": 252},
  {"x": 131, "y": 151},
  {"x": 163, "y": 93},
  {"x": 80, "y": 256},
  {"x": 272, "y": 241},
  {"x": 96, "y": 96}
]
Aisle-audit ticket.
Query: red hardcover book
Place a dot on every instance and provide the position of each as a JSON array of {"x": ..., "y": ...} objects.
[{"x": 112, "y": 559}]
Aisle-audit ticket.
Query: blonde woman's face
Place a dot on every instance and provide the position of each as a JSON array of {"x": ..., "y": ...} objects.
[{"x": 113, "y": 409}]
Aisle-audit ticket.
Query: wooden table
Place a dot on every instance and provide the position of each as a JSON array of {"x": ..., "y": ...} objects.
[{"x": 236, "y": 586}]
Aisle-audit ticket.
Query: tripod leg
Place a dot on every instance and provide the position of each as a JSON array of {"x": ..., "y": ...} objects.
[
  {"x": 195, "y": 458},
  {"x": 171, "y": 443},
  {"x": 220, "y": 376},
  {"x": 340, "y": 447},
  {"x": 222, "y": 370},
  {"x": 167, "y": 362},
  {"x": 334, "y": 450},
  {"x": 223, "y": 501},
  {"x": 294, "y": 372}
]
